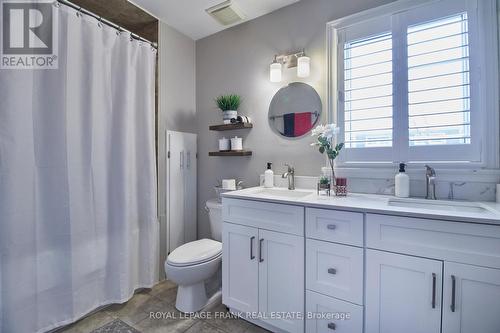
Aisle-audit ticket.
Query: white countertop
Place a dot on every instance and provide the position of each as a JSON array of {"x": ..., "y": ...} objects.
[{"x": 373, "y": 203}]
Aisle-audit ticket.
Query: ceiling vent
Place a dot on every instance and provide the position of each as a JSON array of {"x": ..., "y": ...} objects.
[{"x": 226, "y": 13}]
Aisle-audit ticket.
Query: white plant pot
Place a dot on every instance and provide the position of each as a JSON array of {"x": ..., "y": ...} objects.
[{"x": 228, "y": 115}]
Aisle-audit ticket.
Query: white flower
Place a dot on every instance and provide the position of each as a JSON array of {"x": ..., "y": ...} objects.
[
  {"x": 330, "y": 131},
  {"x": 318, "y": 130}
]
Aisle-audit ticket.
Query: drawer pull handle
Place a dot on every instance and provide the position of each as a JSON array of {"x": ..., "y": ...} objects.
[
  {"x": 331, "y": 227},
  {"x": 260, "y": 250},
  {"x": 433, "y": 290},
  {"x": 332, "y": 326},
  {"x": 252, "y": 257},
  {"x": 332, "y": 271},
  {"x": 453, "y": 287}
]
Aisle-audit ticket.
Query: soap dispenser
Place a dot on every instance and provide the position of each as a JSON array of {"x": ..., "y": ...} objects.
[
  {"x": 269, "y": 176},
  {"x": 402, "y": 181}
]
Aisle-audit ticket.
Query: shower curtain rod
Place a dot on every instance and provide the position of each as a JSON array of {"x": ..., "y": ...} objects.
[{"x": 103, "y": 20}]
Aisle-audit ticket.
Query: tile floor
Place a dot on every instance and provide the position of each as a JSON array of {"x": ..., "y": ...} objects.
[{"x": 161, "y": 298}]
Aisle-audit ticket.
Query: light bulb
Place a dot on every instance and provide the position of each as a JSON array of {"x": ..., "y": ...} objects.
[
  {"x": 303, "y": 66},
  {"x": 275, "y": 72}
]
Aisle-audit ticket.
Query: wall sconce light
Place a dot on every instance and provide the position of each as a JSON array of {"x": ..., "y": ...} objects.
[
  {"x": 275, "y": 71},
  {"x": 303, "y": 66},
  {"x": 291, "y": 60}
]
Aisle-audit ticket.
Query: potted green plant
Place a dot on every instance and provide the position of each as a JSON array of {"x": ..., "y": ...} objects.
[
  {"x": 229, "y": 105},
  {"x": 324, "y": 185},
  {"x": 324, "y": 180}
]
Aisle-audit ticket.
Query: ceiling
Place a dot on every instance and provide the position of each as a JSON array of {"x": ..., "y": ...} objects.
[{"x": 190, "y": 18}]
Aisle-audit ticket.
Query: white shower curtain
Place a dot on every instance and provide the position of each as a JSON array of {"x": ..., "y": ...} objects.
[{"x": 78, "y": 226}]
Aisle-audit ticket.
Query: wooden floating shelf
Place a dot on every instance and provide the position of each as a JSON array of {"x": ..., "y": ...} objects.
[
  {"x": 230, "y": 153},
  {"x": 229, "y": 127}
]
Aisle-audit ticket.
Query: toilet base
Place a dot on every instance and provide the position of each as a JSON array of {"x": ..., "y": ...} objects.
[{"x": 191, "y": 298}]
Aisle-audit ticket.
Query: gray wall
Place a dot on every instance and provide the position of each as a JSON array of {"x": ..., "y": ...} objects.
[
  {"x": 177, "y": 66},
  {"x": 177, "y": 106},
  {"x": 237, "y": 60}
]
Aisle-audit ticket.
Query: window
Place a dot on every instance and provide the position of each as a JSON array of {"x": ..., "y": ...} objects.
[
  {"x": 438, "y": 82},
  {"x": 368, "y": 92},
  {"x": 410, "y": 83}
]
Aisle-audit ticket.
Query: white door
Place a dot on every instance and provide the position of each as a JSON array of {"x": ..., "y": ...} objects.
[
  {"x": 181, "y": 188},
  {"x": 175, "y": 190},
  {"x": 190, "y": 199},
  {"x": 281, "y": 279},
  {"x": 402, "y": 293},
  {"x": 240, "y": 267},
  {"x": 471, "y": 299}
]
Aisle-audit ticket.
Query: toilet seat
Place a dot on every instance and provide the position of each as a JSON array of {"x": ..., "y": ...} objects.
[{"x": 195, "y": 252}]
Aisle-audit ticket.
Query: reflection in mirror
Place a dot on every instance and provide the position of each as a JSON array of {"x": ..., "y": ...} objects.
[{"x": 294, "y": 110}]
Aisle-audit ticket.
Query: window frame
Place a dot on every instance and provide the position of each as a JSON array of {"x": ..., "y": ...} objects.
[{"x": 484, "y": 95}]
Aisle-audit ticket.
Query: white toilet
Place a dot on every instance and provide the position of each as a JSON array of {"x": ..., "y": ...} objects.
[{"x": 191, "y": 264}]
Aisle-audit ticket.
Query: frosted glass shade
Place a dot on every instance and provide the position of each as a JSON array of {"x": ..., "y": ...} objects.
[
  {"x": 275, "y": 72},
  {"x": 303, "y": 66}
]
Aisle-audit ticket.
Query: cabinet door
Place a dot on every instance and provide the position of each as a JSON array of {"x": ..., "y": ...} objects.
[
  {"x": 190, "y": 171},
  {"x": 240, "y": 268},
  {"x": 402, "y": 293},
  {"x": 471, "y": 299},
  {"x": 281, "y": 279},
  {"x": 175, "y": 190},
  {"x": 181, "y": 188}
]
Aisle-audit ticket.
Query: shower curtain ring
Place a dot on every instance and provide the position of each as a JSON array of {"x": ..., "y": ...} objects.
[
  {"x": 99, "y": 24},
  {"x": 79, "y": 12},
  {"x": 56, "y": 4},
  {"x": 118, "y": 32}
]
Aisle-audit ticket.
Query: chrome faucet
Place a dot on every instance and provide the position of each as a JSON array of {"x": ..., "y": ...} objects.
[
  {"x": 430, "y": 183},
  {"x": 290, "y": 174}
]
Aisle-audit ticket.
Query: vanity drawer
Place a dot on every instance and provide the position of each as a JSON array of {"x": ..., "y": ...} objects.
[
  {"x": 470, "y": 243},
  {"x": 335, "y": 226},
  {"x": 335, "y": 270},
  {"x": 332, "y": 315},
  {"x": 277, "y": 217}
]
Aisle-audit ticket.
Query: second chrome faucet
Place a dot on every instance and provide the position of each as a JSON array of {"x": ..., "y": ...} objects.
[
  {"x": 430, "y": 183},
  {"x": 290, "y": 174}
]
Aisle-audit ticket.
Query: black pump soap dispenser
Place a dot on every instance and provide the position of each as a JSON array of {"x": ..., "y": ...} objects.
[
  {"x": 269, "y": 176},
  {"x": 402, "y": 182}
]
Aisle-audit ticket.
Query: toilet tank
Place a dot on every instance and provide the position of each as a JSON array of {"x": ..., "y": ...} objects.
[{"x": 214, "y": 209}]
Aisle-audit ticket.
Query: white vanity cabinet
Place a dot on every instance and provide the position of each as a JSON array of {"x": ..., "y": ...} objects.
[
  {"x": 263, "y": 262},
  {"x": 355, "y": 271}
]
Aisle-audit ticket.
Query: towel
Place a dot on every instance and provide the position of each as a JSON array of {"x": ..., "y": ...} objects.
[
  {"x": 302, "y": 123},
  {"x": 289, "y": 124}
]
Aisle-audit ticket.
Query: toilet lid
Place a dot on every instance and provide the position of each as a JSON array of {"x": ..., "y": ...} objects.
[{"x": 195, "y": 252}]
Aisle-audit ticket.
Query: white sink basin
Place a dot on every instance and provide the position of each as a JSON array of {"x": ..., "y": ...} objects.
[
  {"x": 284, "y": 193},
  {"x": 449, "y": 206}
]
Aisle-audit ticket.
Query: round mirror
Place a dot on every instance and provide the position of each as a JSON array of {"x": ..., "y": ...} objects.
[{"x": 294, "y": 110}]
